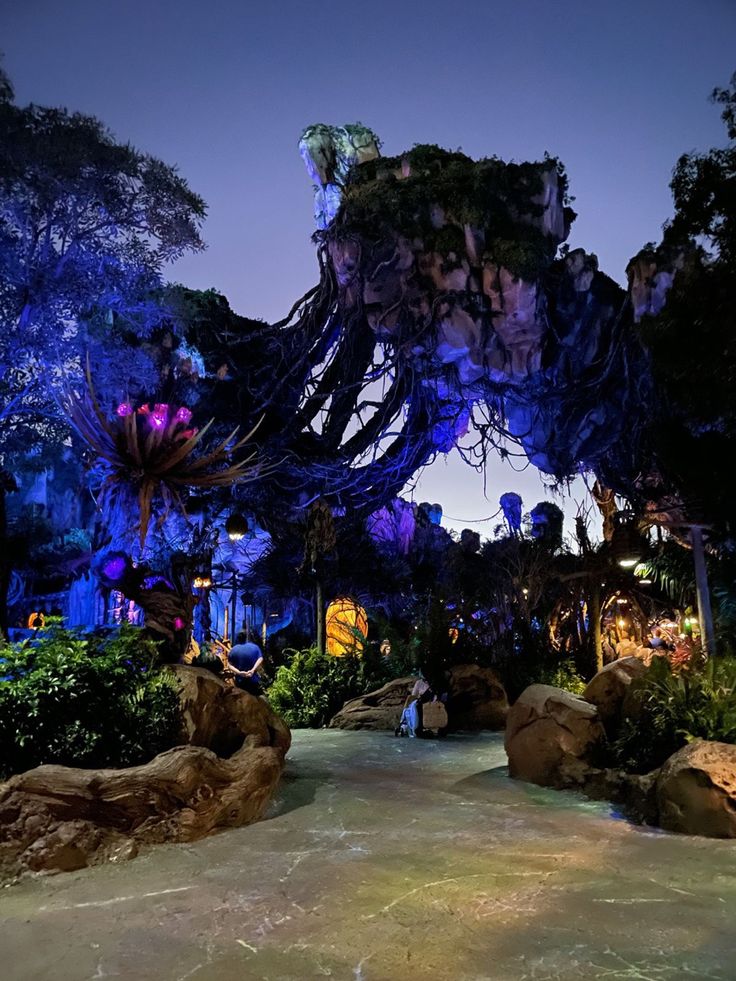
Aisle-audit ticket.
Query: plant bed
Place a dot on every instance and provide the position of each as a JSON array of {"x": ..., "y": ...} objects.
[
  {"x": 666, "y": 754},
  {"x": 57, "y": 818}
]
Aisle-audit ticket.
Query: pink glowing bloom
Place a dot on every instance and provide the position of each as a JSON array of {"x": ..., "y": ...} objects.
[
  {"x": 178, "y": 623},
  {"x": 183, "y": 415},
  {"x": 124, "y": 409},
  {"x": 160, "y": 415},
  {"x": 144, "y": 410}
]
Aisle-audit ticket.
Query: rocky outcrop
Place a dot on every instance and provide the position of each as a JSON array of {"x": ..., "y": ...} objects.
[
  {"x": 696, "y": 790},
  {"x": 58, "y": 818},
  {"x": 380, "y": 709},
  {"x": 547, "y": 728},
  {"x": 609, "y": 688},
  {"x": 476, "y": 699},
  {"x": 216, "y": 716},
  {"x": 634, "y": 793}
]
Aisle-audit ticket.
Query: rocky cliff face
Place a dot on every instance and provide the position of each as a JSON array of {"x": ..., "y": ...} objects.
[{"x": 457, "y": 262}]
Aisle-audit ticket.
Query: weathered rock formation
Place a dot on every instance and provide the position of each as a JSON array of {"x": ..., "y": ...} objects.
[
  {"x": 609, "y": 688},
  {"x": 476, "y": 699},
  {"x": 696, "y": 790},
  {"x": 57, "y": 818},
  {"x": 548, "y": 728},
  {"x": 455, "y": 262},
  {"x": 380, "y": 709}
]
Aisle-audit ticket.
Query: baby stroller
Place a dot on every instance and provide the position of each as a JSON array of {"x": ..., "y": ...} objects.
[{"x": 410, "y": 723}]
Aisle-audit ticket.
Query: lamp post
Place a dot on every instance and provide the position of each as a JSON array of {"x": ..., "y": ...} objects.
[{"x": 237, "y": 528}]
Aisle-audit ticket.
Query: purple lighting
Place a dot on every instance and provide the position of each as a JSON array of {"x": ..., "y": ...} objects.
[
  {"x": 178, "y": 623},
  {"x": 160, "y": 415},
  {"x": 183, "y": 415},
  {"x": 124, "y": 409},
  {"x": 114, "y": 568}
]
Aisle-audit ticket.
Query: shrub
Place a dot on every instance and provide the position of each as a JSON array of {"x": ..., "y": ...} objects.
[
  {"x": 84, "y": 700},
  {"x": 311, "y": 687},
  {"x": 564, "y": 674},
  {"x": 677, "y": 706}
]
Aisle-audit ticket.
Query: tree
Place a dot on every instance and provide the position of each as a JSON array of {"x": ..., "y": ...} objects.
[
  {"x": 690, "y": 340},
  {"x": 86, "y": 225}
]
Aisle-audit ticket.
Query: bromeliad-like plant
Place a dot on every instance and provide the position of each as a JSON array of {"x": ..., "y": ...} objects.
[{"x": 155, "y": 450}]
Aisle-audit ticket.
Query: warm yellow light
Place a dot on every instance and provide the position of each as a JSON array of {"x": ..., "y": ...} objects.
[
  {"x": 622, "y": 623},
  {"x": 628, "y": 563},
  {"x": 346, "y": 627},
  {"x": 201, "y": 582}
]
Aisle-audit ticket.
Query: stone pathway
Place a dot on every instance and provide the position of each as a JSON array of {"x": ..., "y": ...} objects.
[{"x": 386, "y": 859}]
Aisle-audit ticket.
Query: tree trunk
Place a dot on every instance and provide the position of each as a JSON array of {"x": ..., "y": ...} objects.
[
  {"x": 320, "y": 616},
  {"x": 705, "y": 614},
  {"x": 7, "y": 484},
  {"x": 594, "y": 617}
]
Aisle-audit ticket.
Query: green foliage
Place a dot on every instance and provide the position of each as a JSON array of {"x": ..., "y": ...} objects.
[
  {"x": 308, "y": 690},
  {"x": 84, "y": 700},
  {"x": 488, "y": 195},
  {"x": 675, "y": 707},
  {"x": 209, "y": 660},
  {"x": 691, "y": 341},
  {"x": 536, "y": 663},
  {"x": 563, "y": 675}
]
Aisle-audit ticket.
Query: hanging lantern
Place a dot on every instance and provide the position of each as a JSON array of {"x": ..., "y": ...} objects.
[
  {"x": 236, "y": 527},
  {"x": 628, "y": 545},
  {"x": 346, "y": 626}
]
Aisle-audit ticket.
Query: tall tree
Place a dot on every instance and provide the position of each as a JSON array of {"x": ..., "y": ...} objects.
[{"x": 86, "y": 226}]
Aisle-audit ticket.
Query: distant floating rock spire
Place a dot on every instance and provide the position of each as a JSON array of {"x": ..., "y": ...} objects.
[{"x": 328, "y": 153}]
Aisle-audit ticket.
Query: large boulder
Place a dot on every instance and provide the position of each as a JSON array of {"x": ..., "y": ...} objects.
[
  {"x": 696, "y": 790},
  {"x": 476, "y": 698},
  {"x": 215, "y": 714},
  {"x": 608, "y": 689},
  {"x": 58, "y": 818},
  {"x": 548, "y": 728},
  {"x": 380, "y": 709}
]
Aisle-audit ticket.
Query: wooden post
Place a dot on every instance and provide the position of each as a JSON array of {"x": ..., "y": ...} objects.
[{"x": 705, "y": 614}]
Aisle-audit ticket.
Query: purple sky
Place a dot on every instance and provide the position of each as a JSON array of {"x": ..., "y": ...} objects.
[{"x": 223, "y": 88}]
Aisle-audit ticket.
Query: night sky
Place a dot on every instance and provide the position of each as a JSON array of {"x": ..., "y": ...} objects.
[{"x": 223, "y": 88}]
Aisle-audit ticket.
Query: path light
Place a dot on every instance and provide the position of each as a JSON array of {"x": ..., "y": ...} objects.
[
  {"x": 201, "y": 582},
  {"x": 236, "y": 527}
]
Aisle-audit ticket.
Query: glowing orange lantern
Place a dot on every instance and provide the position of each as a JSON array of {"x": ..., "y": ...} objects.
[{"x": 346, "y": 627}]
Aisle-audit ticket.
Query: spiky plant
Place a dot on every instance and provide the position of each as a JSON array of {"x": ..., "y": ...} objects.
[{"x": 152, "y": 451}]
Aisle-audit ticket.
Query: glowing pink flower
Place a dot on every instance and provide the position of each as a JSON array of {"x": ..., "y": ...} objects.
[
  {"x": 178, "y": 623},
  {"x": 124, "y": 409},
  {"x": 144, "y": 410},
  {"x": 183, "y": 415},
  {"x": 160, "y": 415}
]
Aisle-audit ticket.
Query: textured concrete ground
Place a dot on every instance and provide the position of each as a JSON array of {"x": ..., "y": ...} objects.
[{"x": 386, "y": 859}]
